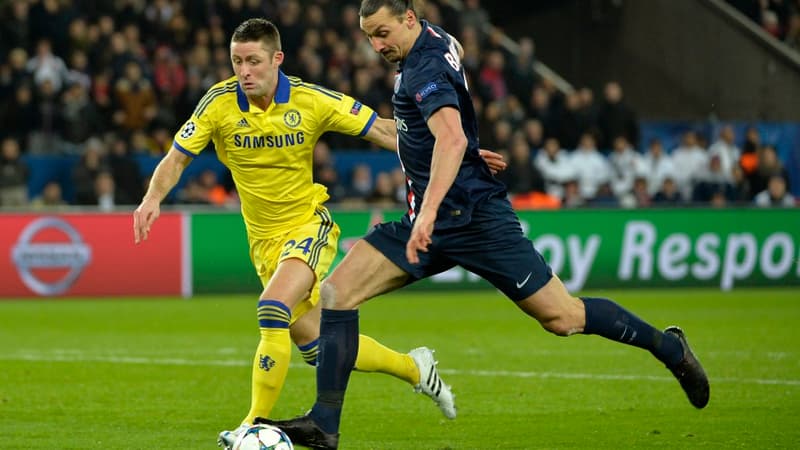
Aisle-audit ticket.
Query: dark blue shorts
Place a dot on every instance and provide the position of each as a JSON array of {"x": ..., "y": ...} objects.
[{"x": 492, "y": 246}]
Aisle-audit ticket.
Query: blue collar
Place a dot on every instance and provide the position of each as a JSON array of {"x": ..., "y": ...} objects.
[
  {"x": 281, "y": 93},
  {"x": 241, "y": 99}
]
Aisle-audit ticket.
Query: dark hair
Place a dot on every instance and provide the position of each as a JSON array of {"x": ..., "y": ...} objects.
[
  {"x": 396, "y": 7},
  {"x": 254, "y": 30}
]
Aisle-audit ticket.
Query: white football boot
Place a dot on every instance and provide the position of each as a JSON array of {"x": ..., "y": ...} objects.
[
  {"x": 227, "y": 438},
  {"x": 431, "y": 384}
]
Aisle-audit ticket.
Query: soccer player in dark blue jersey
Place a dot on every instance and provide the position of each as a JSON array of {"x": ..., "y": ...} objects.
[{"x": 458, "y": 214}]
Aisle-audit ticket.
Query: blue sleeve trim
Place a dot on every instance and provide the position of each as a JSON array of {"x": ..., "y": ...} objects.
[
  {"x": 369, "y": 124},
  {"x": 183, "y": 150}
]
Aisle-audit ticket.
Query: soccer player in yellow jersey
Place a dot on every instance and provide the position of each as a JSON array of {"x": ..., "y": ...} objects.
[{"x": 264, "y": 126}]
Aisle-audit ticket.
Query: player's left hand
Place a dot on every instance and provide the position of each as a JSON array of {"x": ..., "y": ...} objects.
[
  {"x": 493, "y": 160},
  {"x": 420, "y": 236}
]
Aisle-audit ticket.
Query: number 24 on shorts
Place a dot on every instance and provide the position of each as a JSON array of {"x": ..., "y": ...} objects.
[{"x": 304, "y": 245}]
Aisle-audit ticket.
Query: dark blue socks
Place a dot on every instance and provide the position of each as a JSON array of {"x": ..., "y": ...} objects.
[
  {"x": 610, "y": 320},
  {"x": 338, "y": 348}
]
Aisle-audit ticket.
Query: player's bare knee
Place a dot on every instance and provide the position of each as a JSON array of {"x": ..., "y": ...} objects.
[{"x": 327, "y": 294}]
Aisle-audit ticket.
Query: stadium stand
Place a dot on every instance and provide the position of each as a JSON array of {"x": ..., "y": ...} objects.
[{"x": 96, "y": 89}]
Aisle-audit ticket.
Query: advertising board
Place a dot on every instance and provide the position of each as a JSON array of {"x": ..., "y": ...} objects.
[{"x": 68, "y": 254}]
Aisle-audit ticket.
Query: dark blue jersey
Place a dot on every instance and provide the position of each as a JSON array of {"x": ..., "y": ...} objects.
[{"x": 431, "y": 77}]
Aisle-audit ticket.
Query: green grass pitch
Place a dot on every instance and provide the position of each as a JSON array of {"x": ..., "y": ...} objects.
[{"x": 170, "y": 374}]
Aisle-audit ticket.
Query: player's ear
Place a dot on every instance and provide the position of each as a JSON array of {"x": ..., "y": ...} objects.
[
  {"x": 411, "y": 18},
  {"x": 277, "y": 58}
]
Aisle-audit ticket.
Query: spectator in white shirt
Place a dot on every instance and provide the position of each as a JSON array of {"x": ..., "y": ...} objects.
[
  {"x": 775, "y": 194},
  {"x": 554, "y": 164},
  {"x": 656, "y": 166},
  {"x": 46, "y": 66},
  {"x": 592, "y": 168},
  {"x": 726, "y": 150},
  {"x": 690, "y": 160},
  {"x": 625, "y": 162}
]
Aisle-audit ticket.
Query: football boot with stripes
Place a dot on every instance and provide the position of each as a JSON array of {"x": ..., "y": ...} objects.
[{"x": 431, "y": 384}]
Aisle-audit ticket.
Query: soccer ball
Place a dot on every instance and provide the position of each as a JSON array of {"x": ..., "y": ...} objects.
[{"x": 263, "y": 437}]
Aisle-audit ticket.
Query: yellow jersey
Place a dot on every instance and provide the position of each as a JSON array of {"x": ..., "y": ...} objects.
[{"x": 270, "y": 153}]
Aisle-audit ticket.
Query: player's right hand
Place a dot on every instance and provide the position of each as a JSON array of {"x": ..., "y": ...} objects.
[
  {"x": 420, "y": 237},
  {"x": 143, "y": 217},
  {"x": 494, "y": 160}
]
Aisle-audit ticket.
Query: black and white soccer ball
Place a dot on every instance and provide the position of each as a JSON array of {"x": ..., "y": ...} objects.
[{"x": 263, "y": 437}]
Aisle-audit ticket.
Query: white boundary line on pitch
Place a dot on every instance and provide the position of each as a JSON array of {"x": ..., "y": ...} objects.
[{"x": 80, "y": 357}]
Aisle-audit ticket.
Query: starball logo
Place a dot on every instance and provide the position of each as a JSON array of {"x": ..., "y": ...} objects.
[{"x": 29, "y": 255}]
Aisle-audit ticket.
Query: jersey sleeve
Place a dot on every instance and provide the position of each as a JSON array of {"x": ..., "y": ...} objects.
[
  {"x": 430, "y": 86},
  {"x": 344, "y": 114},
  {"x": 195, "y": 134}
]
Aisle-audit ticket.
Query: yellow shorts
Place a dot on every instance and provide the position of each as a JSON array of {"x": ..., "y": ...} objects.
[{"x": 315, "y": 242}]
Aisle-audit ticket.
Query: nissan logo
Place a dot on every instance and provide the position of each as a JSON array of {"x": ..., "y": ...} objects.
[{"x": 28, "y": 255}]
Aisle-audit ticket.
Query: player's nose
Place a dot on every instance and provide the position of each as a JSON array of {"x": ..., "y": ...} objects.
[{"x": 377, "y": 45}]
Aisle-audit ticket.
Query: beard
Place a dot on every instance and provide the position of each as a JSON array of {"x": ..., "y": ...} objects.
[{"x": 391, "y": 56}]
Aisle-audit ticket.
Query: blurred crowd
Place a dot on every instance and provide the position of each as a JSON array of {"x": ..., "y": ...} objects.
[
  {"x": 107, "y": 81},
  {"x": 779, "y": 18}
]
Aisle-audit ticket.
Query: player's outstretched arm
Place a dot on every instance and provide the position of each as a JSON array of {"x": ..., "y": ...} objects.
[
  {"x": 384, "y": 133},
  {"x": 165, "y": 177}
]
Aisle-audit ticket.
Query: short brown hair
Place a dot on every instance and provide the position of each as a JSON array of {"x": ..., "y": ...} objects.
[{"x": 254, "y": 30}]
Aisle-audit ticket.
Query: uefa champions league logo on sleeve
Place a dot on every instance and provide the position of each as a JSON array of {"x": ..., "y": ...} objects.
[
  {"x": 188, "y": 130},
  {"x": 28, "y": 255}
]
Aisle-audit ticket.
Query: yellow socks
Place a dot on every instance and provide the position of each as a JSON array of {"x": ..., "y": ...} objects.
[
  {"x": 376, "y": 357},
  {"x": 271, "y": 362},
  {"x": 372, "y": 357}
]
